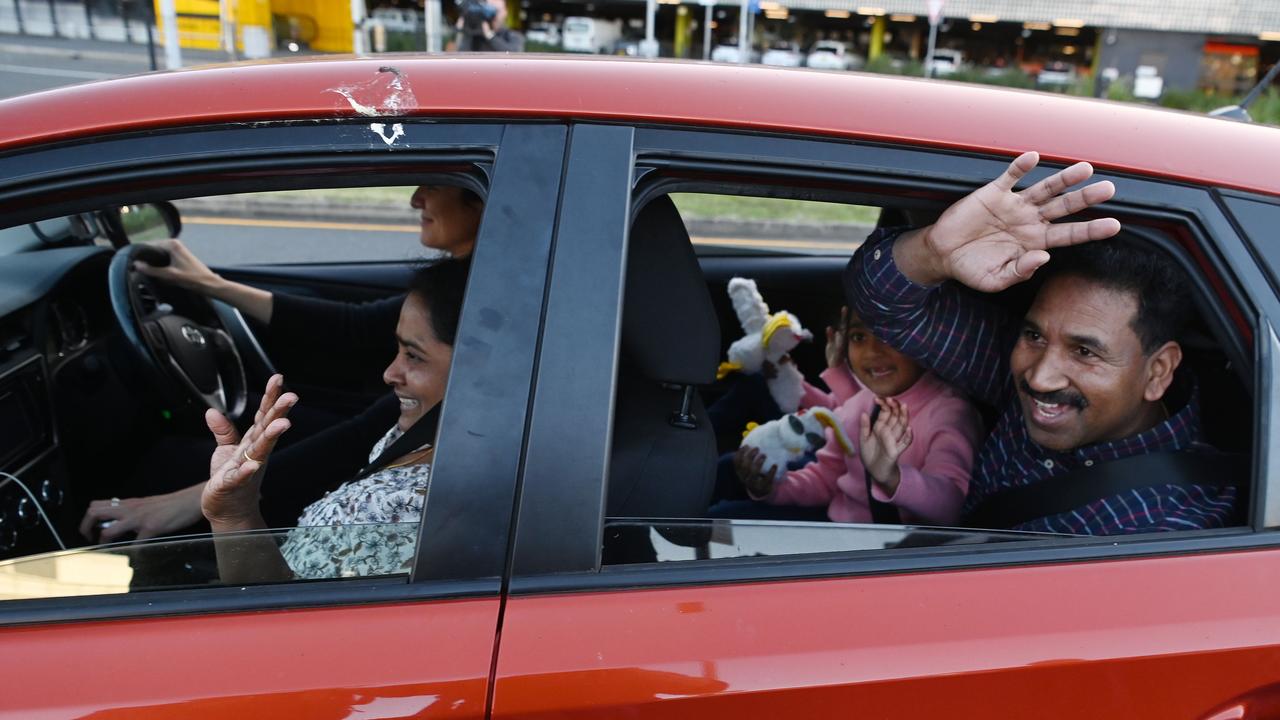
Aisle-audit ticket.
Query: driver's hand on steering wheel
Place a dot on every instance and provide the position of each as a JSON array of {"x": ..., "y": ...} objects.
[
  {"x": 184, "y": 269},
  {"x": 147, "y": 517}
]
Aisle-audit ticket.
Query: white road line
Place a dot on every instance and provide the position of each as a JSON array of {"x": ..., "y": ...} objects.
[{"x": 82, "y": 74}]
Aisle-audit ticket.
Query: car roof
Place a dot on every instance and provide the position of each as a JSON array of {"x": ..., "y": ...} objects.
[{"x": 1123, "y": 137}]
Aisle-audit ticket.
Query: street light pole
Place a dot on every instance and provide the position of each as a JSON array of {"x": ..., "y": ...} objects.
[
  {"x": 744, "y": 33},
  {"x": 649, "y": 48},
  {"x": 433, "y": 23},
  {"x": 172, "y": 51},
  {"x": 935, "y": 16},
  {"x": 706, "y": 28},
  {"x": 357, "y": 28}
]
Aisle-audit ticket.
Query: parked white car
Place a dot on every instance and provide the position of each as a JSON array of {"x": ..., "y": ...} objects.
[
  {"x": 946, "y": 62},
  {"x": 590, "y": 35},
  {"x": 543, "y": 32},
  {"x": 728, "y": 53},
  {"x": 829, "y": 55},
  {"x": 783, "y": 54}
]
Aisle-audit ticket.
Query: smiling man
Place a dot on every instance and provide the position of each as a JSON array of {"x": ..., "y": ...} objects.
[{"x": 1087, "y": 377}]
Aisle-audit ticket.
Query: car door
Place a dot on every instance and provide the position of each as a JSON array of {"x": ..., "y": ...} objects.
[
  {"x": 419, "y": 645},
  {"x": 781, "y": 619}
]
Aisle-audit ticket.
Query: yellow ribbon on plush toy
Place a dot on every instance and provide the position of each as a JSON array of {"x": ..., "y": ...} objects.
[
  {"x": 776, "y": 322},
  {"x": 727, "y": 367}
]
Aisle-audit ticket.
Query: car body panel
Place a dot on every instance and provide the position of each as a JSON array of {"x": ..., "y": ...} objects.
[
  {"x": 1158, "y": 638},
  {"x": 428, "y": 659},
  {"x": 1183, "y": 634},
  {"x": 853, "y": 105}
]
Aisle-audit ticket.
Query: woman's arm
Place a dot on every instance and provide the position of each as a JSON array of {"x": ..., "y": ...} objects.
[
  {"x": 187, "y": 271},
  {"x": 230, "y": 497}
]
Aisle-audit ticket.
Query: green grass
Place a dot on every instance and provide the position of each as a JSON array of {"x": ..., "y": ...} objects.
[
  {"x": 378, "y": 196},
  {"x": 692, "y": 205},
  {"x": 705, "y": 207}
]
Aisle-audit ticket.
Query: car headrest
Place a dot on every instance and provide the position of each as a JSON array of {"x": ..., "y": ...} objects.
[{"x": 669, "y": 328}]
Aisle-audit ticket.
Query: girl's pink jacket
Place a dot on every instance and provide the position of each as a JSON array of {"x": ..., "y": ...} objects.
[{"x": 935, "y": 468}]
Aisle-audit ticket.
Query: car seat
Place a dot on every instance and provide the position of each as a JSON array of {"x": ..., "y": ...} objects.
[{"x": 663, "y": 458}]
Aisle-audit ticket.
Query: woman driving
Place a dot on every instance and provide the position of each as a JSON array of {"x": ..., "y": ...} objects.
[{"x": 356, "y": 342}]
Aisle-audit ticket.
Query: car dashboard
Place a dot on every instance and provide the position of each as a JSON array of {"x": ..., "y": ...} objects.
[{"x": 57, "y": 381}]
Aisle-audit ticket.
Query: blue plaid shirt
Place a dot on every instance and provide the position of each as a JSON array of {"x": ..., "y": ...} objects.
[{"x": 968, "y": 341}]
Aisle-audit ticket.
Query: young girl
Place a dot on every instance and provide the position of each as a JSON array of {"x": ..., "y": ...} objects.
[{"x": 917, "y": 455}]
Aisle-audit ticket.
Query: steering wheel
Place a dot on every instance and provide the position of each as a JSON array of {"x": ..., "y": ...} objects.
[{"x": 195, "y": 360}]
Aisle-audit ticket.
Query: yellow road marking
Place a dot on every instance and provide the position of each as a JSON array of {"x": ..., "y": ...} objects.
[
  {"x": 300, "y": 224},
  {"x": 408, "y": 228}
]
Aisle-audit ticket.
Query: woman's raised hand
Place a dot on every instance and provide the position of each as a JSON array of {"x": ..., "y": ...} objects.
[{"x": 230, "y": 498}]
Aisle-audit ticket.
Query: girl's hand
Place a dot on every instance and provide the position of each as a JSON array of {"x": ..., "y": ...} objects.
[
  {"x": 230, "y": 498},
  {"x": 748, "y": 463},
  {"x": 838, "y": 342},
  {"x": 881, "y": 446}
]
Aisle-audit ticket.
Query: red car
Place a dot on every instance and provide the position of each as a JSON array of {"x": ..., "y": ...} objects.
[{"x": 564, "y": 567}]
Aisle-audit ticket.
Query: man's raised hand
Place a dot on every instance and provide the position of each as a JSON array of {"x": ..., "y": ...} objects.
[{"x": 995, "y": 237}]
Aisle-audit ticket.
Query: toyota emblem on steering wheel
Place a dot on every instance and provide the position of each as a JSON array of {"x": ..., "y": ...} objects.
[{"x": 193, "y": 335}]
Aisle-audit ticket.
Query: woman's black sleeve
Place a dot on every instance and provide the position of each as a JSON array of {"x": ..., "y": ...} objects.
[
  {"x": 331, "y": 342},
  {"x": 303, "y": 472}
]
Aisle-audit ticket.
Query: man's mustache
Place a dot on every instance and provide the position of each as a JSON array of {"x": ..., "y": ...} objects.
[{"x": 1057, "y": 397}]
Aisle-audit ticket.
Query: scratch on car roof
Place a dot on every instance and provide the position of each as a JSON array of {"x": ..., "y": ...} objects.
[
  {"x": 397, "y": 132},
  {"x": 386, "y": 95}
]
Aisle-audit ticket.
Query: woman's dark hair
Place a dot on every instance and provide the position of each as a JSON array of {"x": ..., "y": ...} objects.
[
  {"x": 471, "y": 197},
  {"x": 440, "y": 286}
]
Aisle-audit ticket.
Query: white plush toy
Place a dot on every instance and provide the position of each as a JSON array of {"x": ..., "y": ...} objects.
[
  {"x": 788, "y": 438},
  {"x": 768, "y": 338}
]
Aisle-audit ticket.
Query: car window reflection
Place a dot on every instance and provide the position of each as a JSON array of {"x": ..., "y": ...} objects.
[{"x": 180, "y": 563}]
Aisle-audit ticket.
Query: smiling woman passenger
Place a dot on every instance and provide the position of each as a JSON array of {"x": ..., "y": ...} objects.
[{"x": 390, "y": 490}]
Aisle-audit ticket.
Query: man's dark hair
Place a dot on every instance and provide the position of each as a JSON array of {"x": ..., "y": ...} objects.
[
  {"x": 440, "y": 286},
  {"x": 1160, "y": 287}
]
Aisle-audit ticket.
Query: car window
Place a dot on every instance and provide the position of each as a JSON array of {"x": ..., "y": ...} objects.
[
  {"x": 725, "y": 224},
  {"x": 346, "y": 487},
  {"x": 758, "y": 294},
  {"x": 192, "y": 562},
  {"x": 303, "y": 226}
]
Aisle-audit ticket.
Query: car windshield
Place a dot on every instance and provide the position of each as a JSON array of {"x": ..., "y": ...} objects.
[{"x": 577, "y": 26}]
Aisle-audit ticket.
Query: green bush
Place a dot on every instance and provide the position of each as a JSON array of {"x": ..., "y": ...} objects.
[
  {"x": 886, "y": 65},
  {"x": 1008, "y": 77},
  {"x": 1266, "y": 109}
]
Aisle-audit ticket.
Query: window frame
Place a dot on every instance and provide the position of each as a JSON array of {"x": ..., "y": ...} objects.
[
  {"x": 522, "y": 163},
  {"x": 547, "y": 566}
]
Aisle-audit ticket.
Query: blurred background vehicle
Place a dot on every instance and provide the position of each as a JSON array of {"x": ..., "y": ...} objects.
[
  {"x": 783, "y": 53},
  {"x": 728, "y": 52},
  {"x": 946, "y": 62},
  {"x": 830, "y": 55},
  {"x": 543, "y": 33},
  {"x": 589, "y": 35},
  {"x": 1056, "y": 74}
]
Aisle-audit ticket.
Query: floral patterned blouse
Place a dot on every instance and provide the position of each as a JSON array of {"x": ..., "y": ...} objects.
[{"x": 365, "y": 527}]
